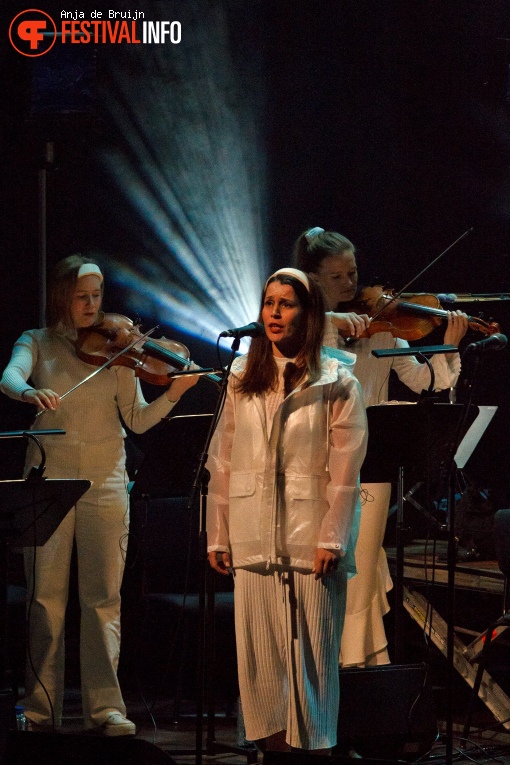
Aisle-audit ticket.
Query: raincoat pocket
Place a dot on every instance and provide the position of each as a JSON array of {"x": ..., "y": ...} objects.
[
  {"x": 305, "y": 508},
  {"x": 244, "y": 509}
]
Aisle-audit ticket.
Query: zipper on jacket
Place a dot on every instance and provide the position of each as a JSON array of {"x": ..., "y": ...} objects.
[
  {"x": 326, "y": 401},
  {"x": 274, "y": 502}
]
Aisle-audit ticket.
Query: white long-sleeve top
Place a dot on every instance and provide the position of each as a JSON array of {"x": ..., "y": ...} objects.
[
  {"x": 90, "y": 414},
  {"x": 373, "y": 374}
]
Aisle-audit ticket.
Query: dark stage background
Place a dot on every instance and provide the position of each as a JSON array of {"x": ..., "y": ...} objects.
[{"x": 386, "y": 121}]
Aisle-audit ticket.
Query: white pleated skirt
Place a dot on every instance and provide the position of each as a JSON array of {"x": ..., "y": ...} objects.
[{"x": 288, "y": 631}]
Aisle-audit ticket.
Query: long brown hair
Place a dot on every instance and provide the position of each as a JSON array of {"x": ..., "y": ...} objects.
[
  {"x": 261, "y": 372},
  {"x": 61, "y": 287}
]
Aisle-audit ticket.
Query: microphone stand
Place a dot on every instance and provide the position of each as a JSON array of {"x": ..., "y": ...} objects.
[
  {"x": 450, "y": 470},
  {"x": 201, "y": 483}
]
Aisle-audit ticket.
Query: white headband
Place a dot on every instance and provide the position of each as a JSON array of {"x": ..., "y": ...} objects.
[
  {"x": 88, "y": 269},
  {"x": 313, "y": 232},
  {"x": 299, "y": 275}
]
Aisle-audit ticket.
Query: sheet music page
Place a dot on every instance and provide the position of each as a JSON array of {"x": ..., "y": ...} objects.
[{"x": 474, "y": 434}]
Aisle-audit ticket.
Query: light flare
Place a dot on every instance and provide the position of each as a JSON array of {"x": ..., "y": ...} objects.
[{"x": 193, "y": 173}]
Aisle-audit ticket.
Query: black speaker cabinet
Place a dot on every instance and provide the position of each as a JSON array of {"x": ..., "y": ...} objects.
[
  {"x": 386, "y": 712},
  {"x": 34, "y": 748}
]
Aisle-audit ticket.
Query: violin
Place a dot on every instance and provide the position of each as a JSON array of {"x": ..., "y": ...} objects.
[
  {"x": 409, "y": 319},
  {"x": 153, "y": 361}
]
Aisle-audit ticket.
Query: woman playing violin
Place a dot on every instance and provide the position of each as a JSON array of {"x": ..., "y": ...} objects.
[
  {"x": 93, "y": 449},
  {"x": 329, "y": 258}
]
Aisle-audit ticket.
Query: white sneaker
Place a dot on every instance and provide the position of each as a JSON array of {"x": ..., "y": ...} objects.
[{"x": 118, "y": 725}]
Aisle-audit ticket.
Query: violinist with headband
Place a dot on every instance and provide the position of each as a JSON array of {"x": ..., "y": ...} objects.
[
  {"x": 329, "y": 259},
  {"x": 93, "y": 449}
]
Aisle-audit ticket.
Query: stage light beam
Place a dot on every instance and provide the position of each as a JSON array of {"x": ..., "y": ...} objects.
[{"x": 193, "y": 170}]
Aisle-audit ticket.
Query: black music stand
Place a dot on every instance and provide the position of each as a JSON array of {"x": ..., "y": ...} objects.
[
  {"x": 418, "y": 441},
  {"x": 31, "y": 509},
  {"x": 421, "y": 439},
  {"x": 169, "y": 469},
  {"x": 169, "y": 465}
]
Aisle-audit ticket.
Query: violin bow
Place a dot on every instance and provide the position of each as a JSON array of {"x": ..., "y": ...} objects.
[
  {"x": 105, "y": 365},
  {"x": 420, "y": 273}
]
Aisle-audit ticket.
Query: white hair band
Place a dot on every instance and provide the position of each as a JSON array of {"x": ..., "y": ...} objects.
[
  {"x": 89, "y": 269},
  {"x": 295, "y": 272}
]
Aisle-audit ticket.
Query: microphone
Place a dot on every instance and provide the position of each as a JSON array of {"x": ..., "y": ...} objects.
[
  {"x": 254, "y": 329},
  {"x": 494, "y": 342}
]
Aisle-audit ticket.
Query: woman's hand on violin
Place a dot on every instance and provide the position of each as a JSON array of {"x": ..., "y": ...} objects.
[
  {"x": 457, "y": 327},
  {"x": 182, "y": 383},
  {"x": 325, "y": 563},
  {"x": 44, "y": 398},
  {"x": 350, "y": 324},
  {"x": 220, "y": 561}
]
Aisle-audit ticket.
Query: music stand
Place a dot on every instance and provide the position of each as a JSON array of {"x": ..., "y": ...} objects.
[
  {"x": 423, "y": 438},
  {"x": 31, "y": 509},
  {"x": 169, "y": 469},
  {"x": 182, "y": 436},
  {"x": 415, "y": 440}
]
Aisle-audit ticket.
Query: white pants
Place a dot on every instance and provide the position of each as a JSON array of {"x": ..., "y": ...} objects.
[
  {"x": 288, "y": 628},
  {"x": 364, "y": 640},
  {"x": 99, "y": 523}
]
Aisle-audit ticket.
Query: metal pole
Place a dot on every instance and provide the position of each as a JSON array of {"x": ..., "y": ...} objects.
[{"x": 43, "y": 211}]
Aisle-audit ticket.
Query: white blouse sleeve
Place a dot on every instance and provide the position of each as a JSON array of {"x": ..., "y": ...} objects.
[
  {"x": 23, "y": 360},
  {"x": 219, "y": 465},
  {"x": 138, "y": 415}
]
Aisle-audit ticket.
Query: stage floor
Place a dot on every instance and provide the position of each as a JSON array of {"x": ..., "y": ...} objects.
[
  {"x": 426, "y": 562},
  {"x": 171, "y": 743},
  {"x": 178, "y": 740},
  {"x": 423, "y": 565}
]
